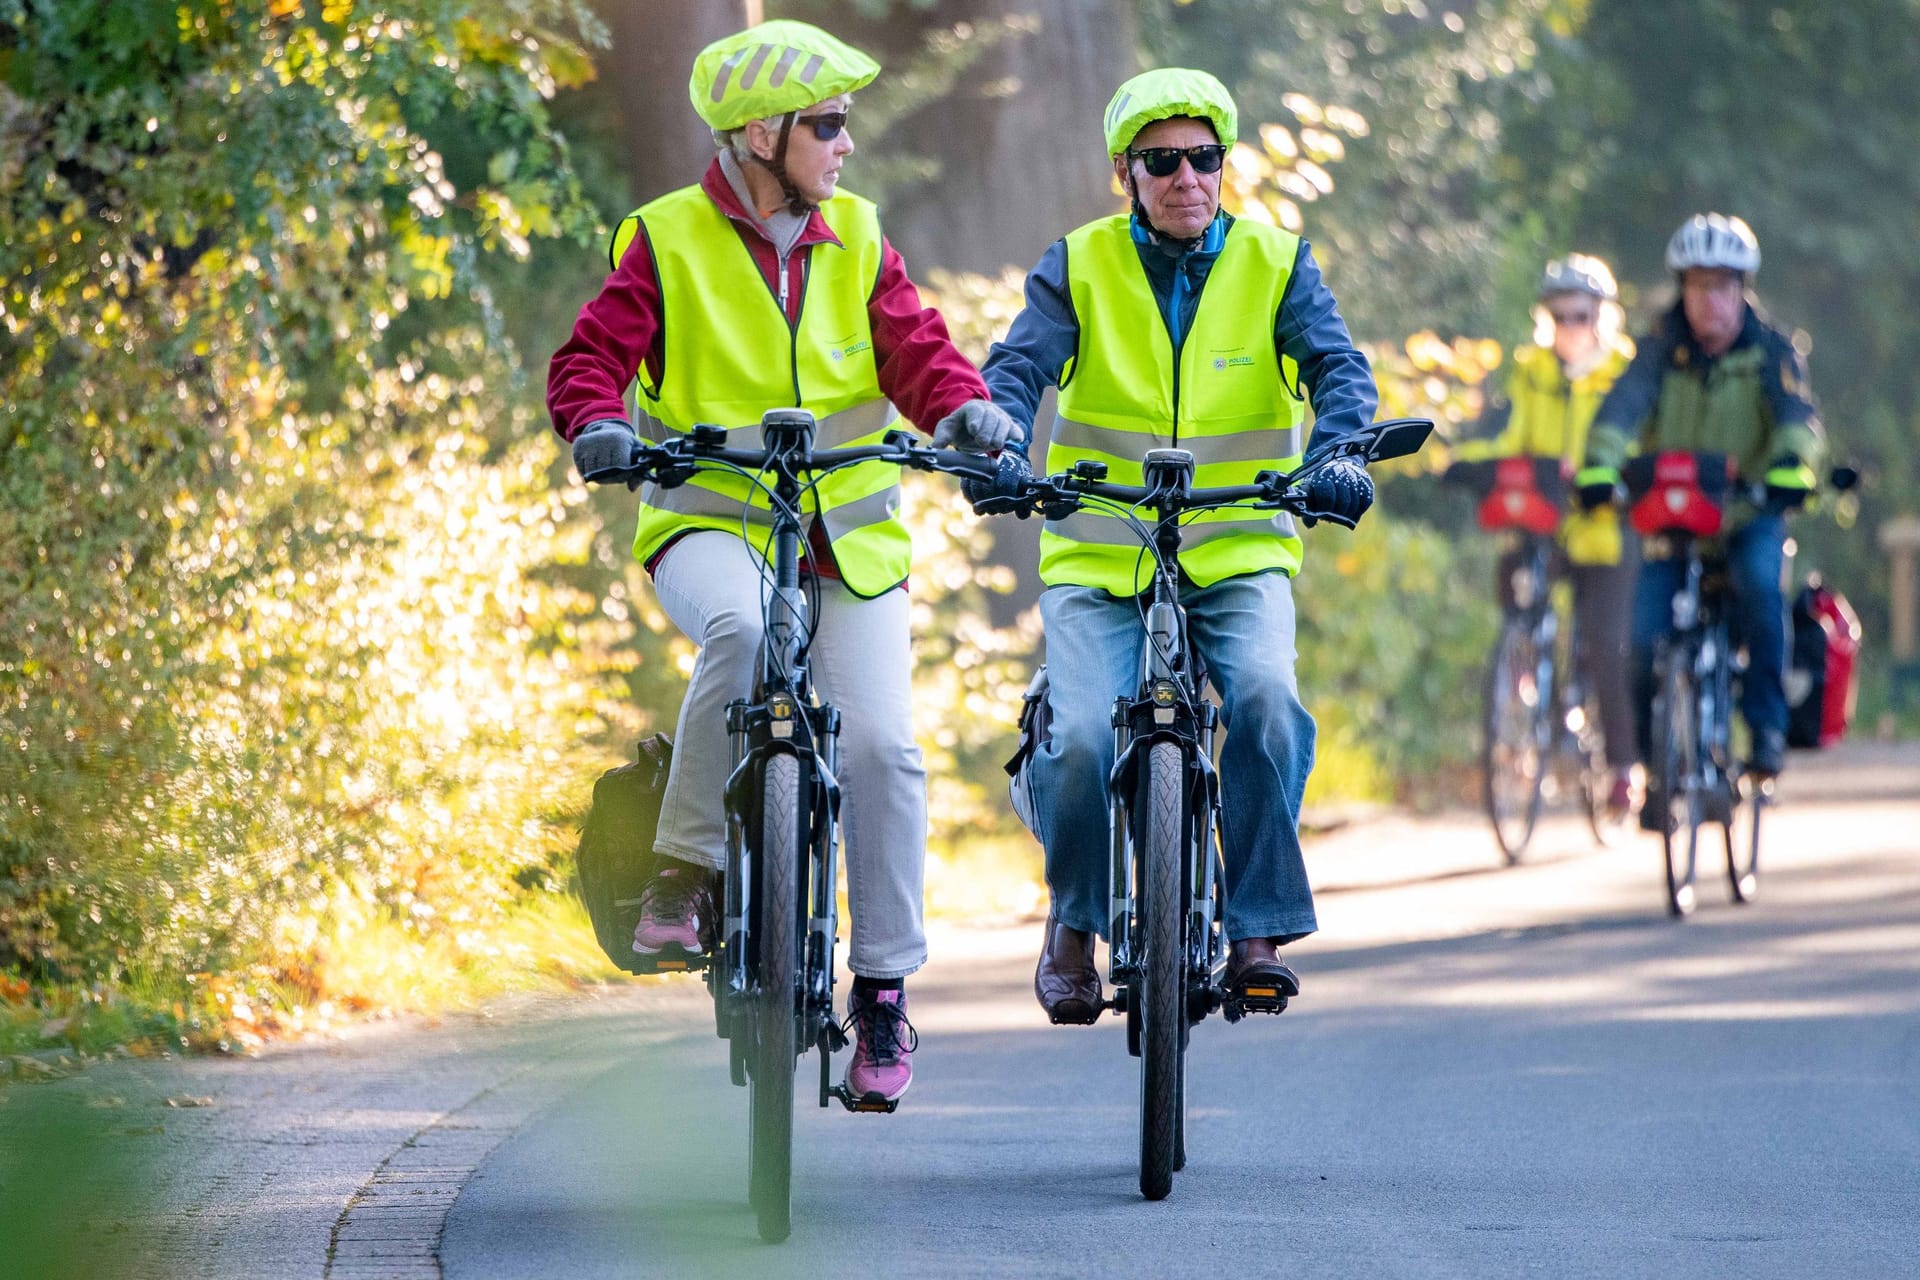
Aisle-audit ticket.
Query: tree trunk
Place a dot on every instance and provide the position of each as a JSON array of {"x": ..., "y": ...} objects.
[
  {"x": 654, "y": 42},
  {"x": 1019, "y": 144}
]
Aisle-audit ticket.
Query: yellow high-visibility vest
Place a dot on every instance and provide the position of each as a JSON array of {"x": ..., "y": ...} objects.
[
  {"x": 729, "y": 355},
  {"x": 1230, "y": 399}
]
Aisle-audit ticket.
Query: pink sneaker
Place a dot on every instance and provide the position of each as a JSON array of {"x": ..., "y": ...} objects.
[
  {"x": 675, "y": 910},
  {"x": 883, "y": 1045}
]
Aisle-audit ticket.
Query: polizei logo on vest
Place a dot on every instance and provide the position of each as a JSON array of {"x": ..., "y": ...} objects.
[
  {"x": 1231, "y": 358},
  {"x": 847, "y": 346}
]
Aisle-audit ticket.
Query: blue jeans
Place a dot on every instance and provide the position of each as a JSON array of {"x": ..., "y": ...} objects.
[
  {"x": 1757, "y": 618},
  {"x": 1244, "y": 630}
]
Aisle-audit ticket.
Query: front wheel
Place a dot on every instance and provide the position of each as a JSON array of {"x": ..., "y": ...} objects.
[
  {"x": 1163, "y": 962},
  {"x": 1677, "y": 765},
  {"x": 772, "y": 1018},
  {"x": 1609, "y": 825},
  {"x": 1743, "y": 840},
  {"x": 1518, "y": 733}
]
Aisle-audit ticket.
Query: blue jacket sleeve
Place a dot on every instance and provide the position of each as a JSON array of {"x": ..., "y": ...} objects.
[
  {"x": 1338, "y": 379},
  {"x": 1039, "y": 344},
  {"x": 1629, "y": 402}
]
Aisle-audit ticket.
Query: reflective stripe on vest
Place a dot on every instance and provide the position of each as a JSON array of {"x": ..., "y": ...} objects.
[
  {"x": 1231, "y": 402},
  {"x": 728, "y": 355}
]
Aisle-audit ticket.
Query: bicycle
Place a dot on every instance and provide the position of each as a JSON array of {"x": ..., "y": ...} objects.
[
  {"x": 1167, "y": 945},
  {"x": 1679, "y": 500},
  {"x": 771, "y": 973},
  {"x": 1534, "y": 718}
]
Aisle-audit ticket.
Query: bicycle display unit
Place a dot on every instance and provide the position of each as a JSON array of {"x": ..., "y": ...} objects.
[
  {"x": 1166, "y": 943},
  {"x": 771, "y": 972},
  {"x": 1539, "y": 710}
]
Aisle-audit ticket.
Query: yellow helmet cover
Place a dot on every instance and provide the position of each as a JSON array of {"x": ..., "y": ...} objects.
[{"x": 772, "y": 69}]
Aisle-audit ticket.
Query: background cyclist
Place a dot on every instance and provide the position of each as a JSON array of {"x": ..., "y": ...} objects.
[
  {"x": 1552, "y": 389},
  {"x": 1714, "y": 375}
]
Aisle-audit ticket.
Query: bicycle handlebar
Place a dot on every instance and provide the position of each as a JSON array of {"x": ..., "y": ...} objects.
[
  {"x": 1062, "y": 493},
  {"x": 672, "y": 463}
]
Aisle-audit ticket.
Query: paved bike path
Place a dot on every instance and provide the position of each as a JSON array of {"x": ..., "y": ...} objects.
[{"x": 1491, "y": 1073}]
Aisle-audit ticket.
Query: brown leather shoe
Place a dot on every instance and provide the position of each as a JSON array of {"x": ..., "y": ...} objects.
[
  {"x": 1066, "y": 979},
  {"x": 1255, "y": 973}
]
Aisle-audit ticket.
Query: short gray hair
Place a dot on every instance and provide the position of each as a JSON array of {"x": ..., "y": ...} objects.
[{"x": 735, "y": 140}]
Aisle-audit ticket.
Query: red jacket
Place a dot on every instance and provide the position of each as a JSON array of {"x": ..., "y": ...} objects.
[{"x": 919, "y": 368}]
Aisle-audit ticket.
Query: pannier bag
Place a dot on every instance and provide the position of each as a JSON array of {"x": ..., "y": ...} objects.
[
  {"x": 616, "y": 856},
  {"x": 1036, "y": 729},
  {"x": 1822, "y": 675}
]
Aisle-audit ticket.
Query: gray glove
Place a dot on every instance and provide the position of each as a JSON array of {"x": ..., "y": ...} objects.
[
  {"x": 978, "y": 426},
  {"x": 604, "y": 446}
]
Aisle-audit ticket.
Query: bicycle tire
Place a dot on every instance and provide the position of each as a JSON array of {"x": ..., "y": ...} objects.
[
  {"x": 1609, "y": 826},
  {"x": 1743, "y": 845},
  {"x": 1163, "y": 968},
  {"x": 1515, "y": 739},
  {"x": 773, "y": 1054},
  {"x": 1678, "y": 752}
]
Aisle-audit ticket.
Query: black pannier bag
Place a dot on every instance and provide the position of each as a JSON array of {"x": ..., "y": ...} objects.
[
  {"x": 1036, "y": 730},
  {"x": 616, "y": 857}
]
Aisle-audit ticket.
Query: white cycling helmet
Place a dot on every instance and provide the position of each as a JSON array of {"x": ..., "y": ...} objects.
[
  {"x": 1714, "y": 240},
  {"x": 1578, "y": 273}
]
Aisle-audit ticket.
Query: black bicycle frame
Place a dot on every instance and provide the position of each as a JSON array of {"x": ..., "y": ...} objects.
[
  {"x": 1703, "y": 640},
  {"x": 782, "y": 716},
  {"x": 1168, "y": 707}
]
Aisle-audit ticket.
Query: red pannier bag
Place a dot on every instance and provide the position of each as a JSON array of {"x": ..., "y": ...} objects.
[
  {"x": 1686, "y": 494},
  {"x": 1528, "y": 493},
  {"x": 1822, "y": 675}
]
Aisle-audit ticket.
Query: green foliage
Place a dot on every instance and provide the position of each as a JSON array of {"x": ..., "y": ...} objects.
[
  {"x": 1394, "y": 619},
  {"x": 292, "y": 639},
  {"x": 1798, "y": 116},
  {"x": 1420, "y": 220}
]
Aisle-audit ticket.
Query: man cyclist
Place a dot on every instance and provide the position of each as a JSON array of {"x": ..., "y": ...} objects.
[
  {"x": 1177, "y": 325},
  {"x": 764, "y": 286},
  {"x": 1552, "y": 389},
  {"x": 1713, "y": 375}
]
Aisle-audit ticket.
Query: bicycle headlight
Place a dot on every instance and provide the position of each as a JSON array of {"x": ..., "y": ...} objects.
[
  {"x": 1165, "y": 695},
  {"x": 781, "y": 711}
]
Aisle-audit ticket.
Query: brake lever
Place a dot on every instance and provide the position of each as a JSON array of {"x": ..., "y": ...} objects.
[{"x": 1311, "y": 518}]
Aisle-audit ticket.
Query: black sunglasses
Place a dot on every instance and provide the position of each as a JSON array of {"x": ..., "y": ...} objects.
[
  {"x": 827, "y": 125},
  {"x": 1164, "y": 162}
]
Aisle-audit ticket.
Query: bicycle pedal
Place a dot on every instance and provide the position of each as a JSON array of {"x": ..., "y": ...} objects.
[
  {"x": 1077, "y": 1013},
  {"x": 1255, "y": 997},
  {"x": 871, "y": 1103},
  {"x": 668, "y": 964}
]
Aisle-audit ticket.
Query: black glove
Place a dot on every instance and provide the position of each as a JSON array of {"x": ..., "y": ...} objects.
[
  {"x": 1597, "y": 487},
  {"x": 1002, "y": 493},
  {"x": 1790, "y": 483},
  {"x": 604, "y": 448},
  {"x": 1341, "y": 491}
]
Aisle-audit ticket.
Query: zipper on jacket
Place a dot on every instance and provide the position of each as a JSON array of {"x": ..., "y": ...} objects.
[{"x": 793, "y": 321}]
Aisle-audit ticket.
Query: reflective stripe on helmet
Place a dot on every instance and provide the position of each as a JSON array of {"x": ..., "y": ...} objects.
[{"x": 1714, "y": 240}]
